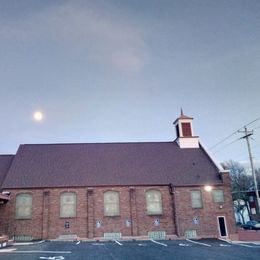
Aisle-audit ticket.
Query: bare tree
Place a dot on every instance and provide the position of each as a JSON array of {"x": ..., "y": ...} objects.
[
  {"x": 257, "y": 172},
  {"x": 241, "y": 184}
]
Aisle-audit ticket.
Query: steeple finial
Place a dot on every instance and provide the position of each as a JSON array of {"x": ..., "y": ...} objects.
[{"x": 181, "y": 112}]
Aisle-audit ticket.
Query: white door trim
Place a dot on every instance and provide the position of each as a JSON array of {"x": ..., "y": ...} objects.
[{"x": 225, "y": 226}]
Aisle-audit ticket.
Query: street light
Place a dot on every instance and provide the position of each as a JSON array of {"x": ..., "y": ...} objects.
[{"x": 208, "y": 188}]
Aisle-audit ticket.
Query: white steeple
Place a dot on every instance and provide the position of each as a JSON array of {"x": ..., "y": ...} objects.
[{"x": 184, "y": 132}]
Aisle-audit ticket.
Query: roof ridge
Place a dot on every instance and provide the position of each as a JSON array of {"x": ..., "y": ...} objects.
[{"x": 135, "y": 142}]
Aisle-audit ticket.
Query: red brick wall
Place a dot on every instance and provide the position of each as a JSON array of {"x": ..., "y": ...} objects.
[
  {"x": 46, "y": 221},
  {"x": 207, "y": 215},
  {"x": 249, "y": 235}
]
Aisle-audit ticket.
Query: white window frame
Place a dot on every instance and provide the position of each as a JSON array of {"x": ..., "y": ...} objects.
[
  {"x": 111, "y": 204},
  {"x": 194, "y": 200},
  {"x": 70, "y": 204},
  {"x": 23, "y": 208},
  {"x": 153, "y": 204},
  {"x": 215, "y": 198}
]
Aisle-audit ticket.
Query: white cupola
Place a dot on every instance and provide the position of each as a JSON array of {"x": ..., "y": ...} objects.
[{"x": 184, "y": 132}]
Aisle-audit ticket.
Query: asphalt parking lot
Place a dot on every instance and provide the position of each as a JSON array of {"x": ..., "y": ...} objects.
[{"x": 166, "y": 249}]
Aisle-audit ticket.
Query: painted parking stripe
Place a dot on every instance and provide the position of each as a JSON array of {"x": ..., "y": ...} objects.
[
  {"x": 28, "y": 243},
  {"x": 7, "y": 250},
  {"x": 118, "y": 243},
  {"x": 98, "y": 244},
  {"x": 142, "y": 244},
  {"x": 183, "y": 244},
  {"x": 199, "y": 243},
  {"x": 78, "y": 243},
  {"x": 238, "y": 244},
  {"x": 159, "y": 243},
  {"x": 47, "y": 252},
  {"x": 52, "y": 258},
  {"x": 224, "y": 245}
]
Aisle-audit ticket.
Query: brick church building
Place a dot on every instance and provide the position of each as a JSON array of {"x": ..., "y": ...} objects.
[{"x": 115, "y": 190}]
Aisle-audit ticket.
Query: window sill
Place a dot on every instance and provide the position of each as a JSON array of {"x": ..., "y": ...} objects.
[
  {"x": 68, "y": 217},
  {"x": 23, "y": 218},
  {"x": 154, "y": 213},
  {"x": 112, "y": 216}
]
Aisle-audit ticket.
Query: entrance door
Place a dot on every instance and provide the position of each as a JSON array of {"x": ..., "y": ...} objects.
[{"x": 222, "y": 226}]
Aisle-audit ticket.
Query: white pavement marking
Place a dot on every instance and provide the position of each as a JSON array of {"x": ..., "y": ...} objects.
[
  {"x": 247, "y": 245},
  {"x": 159, "y": 243},
  {"x": 199, "y": 243},
  {"x": 8, "y": 250},
  {"x": 53, "y": 258},
  {"x": 142, "y": 245},
  {"x": 182, "y": 244},
  {"x": 28, "y": 243},
  {"x": 224, "y": 245},
  {"x": 225, "y": 240},
  {"x": 47, "y": 252},
  {"x": 237, "y": 243},
  {"x": 78, "y": 243},
  {"x": 98, "y": 244},
  {"x": 118, "y": 243}
]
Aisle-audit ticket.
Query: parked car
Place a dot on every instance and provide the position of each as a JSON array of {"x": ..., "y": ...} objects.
[{"x": 251, "y": 225}]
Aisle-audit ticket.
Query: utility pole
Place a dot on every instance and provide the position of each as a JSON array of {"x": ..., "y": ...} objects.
[{"x": 246, "y": 136}]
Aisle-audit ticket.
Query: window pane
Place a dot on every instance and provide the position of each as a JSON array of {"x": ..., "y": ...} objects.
[
  {"x": 23, "y": 206},
  {"x": 186, "y": 129},
  {"x": 153, "y": 202},
  {"x": 196, "y": 201},
  {"x": 218, "y": 196},
  {"x": 111, "y": 203},
  {"x": 68, "y": 205}
]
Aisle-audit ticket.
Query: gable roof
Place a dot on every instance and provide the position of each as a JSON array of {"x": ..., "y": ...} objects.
[
  {"x": 5, "y": 162},
  {"x": 105, "y": 164}
]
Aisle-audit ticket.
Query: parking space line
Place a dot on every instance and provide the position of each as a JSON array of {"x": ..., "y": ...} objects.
[
  {"x": 159, "y": 243},
  {"x": 141, "y": 244},
  {"x": 28, "y": 243},
  {"x": 78, "y": 243},
  {"x": 183, "y": 244},
  {"x": 199, "y": 243},
  {"x": 98, "y": 244},
  {"x": 224, "y": 245},
  {"x": 52, "y": 258},
  {"x": 238, "y": 244},
  {"x": 118, "y": 242},
  {"x": 47, "y": 252},
  {"x": 7, "y": 250}
]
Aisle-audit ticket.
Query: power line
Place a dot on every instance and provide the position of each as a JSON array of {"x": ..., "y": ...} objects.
[
  {"x": 235, "y": 132},
  {"x": 256, "y": 128},
  {"x": 251, "y": 122},
  {"x": 220, "y": 142},
  {"x": 227, "y": 145}
]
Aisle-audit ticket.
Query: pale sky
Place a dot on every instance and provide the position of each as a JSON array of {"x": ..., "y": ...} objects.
[{"x": 119, "y": 71}]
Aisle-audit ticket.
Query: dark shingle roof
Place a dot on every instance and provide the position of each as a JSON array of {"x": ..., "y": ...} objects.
[
  {"x": 5, "y": 162},
  {"x": 101, "y": 164}
]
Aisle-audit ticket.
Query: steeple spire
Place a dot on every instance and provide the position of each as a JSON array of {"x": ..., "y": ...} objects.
[{"x": 182, "y": 112}]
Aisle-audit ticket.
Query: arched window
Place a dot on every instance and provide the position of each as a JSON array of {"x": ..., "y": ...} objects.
[
  {"x": 23, "y": 206},
  {"x": 68, "y": 205},
  {"x": 111, "y": 203},
  {"x": 153, "y": 202}
]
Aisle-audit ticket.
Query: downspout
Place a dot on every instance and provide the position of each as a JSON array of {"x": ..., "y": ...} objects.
[{"x": 172, "y": 191}]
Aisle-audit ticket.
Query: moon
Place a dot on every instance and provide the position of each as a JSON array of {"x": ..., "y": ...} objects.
[{"x": 38, "y": 116}]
